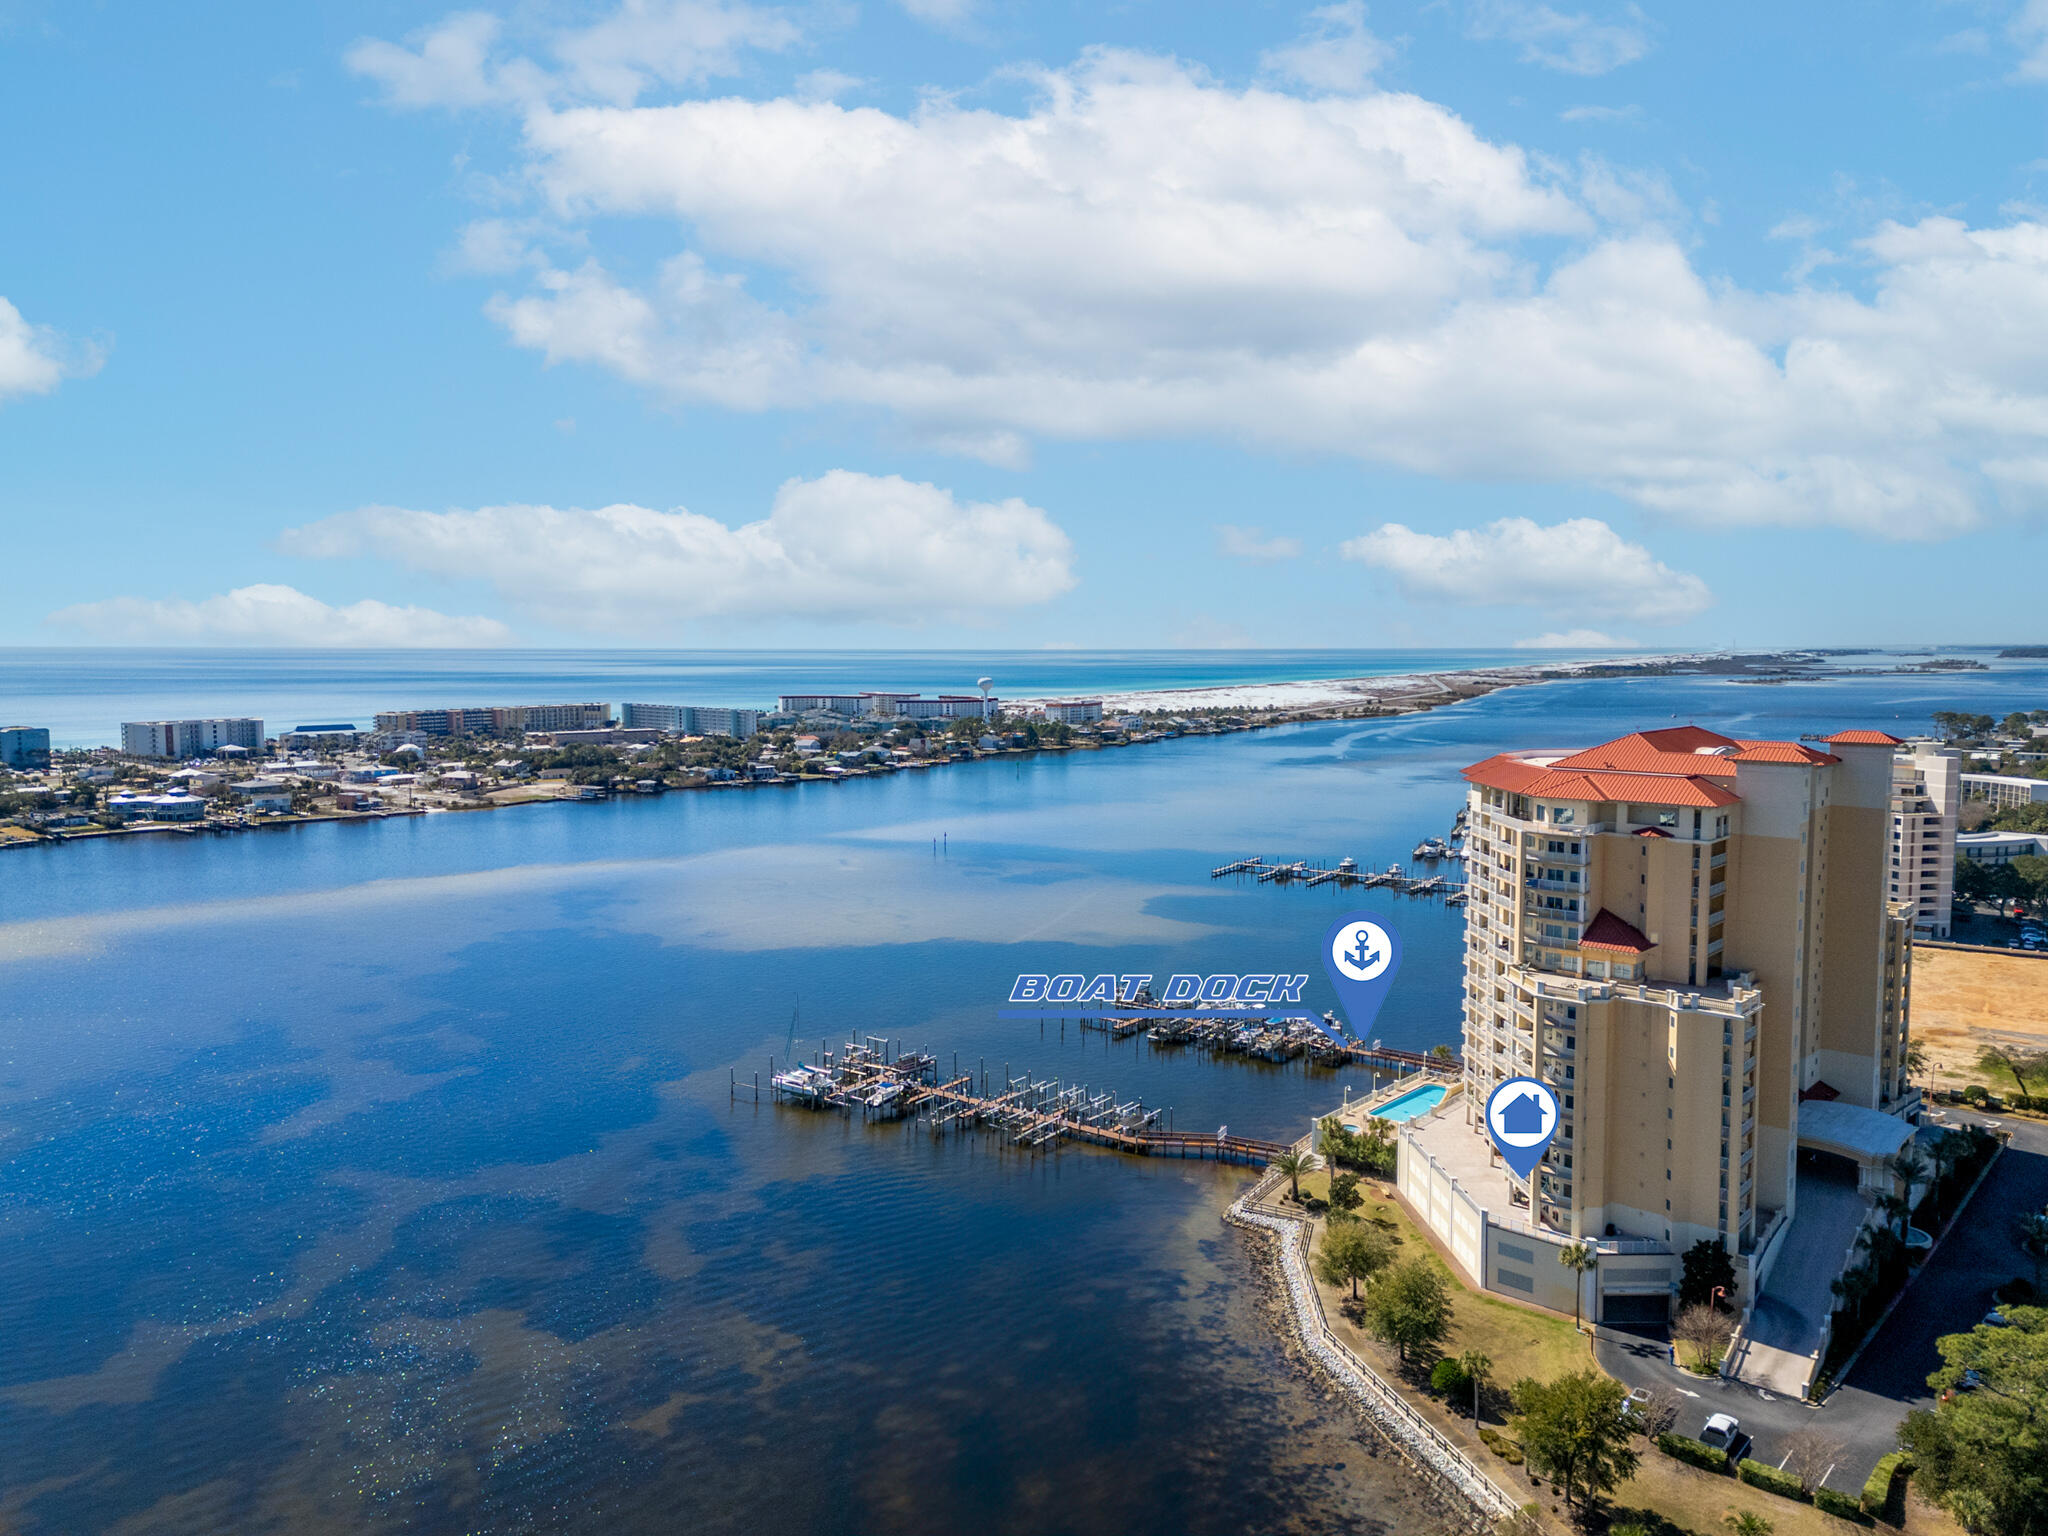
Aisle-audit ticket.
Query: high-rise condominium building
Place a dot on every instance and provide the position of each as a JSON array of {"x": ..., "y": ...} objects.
[
  {"x": 495, "y": 719},
  {"x": 1926, "y": 794},
  {"x": 1690, "y": 938},
  {"x": 691, "y": 719},
  {"x": 24, "y": 746},
  {"x": 189, "y": 738}
]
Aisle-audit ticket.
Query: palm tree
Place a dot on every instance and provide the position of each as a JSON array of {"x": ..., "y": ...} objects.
[
  {"x": 1948, "y": 1149},
  {"x": 1580, "y": 1258},
  {"x": 1910, "y": 1168},
  {"x": 1294, "y": 1164},
  {"x": 2033, "y": 1235},
  {"x": 1894, "y": 1208},
  {"x": 1475, "y": 1365}
]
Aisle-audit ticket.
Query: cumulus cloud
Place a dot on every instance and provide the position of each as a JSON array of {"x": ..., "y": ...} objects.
[
  {"x": 1252, "y": 546},
  {"x": 1570, "y": 41},
  {"x": 1142, "y": 251},
  {"x": 1579, "y": 566},
  {"x": 1595, "y": 114},
  {"x": 34, "y": 359},
  {"x": 1334, "y": 53},
  {"x": 271, "y": 615},
  {"x": 1575, "y": 640},
  {"x": 470, "y": 59},
  {"x": 842, "y": 547},
  {"x": 2028, "y": 30}
]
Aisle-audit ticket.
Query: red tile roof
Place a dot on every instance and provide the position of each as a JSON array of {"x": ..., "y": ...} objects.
[
  {"x": 1521, "y": 778},
  {"x": 1669, "y": 766},
  {"x": 1783, "y": 752},
  {"x": 1864, "y": 739},
  {"x": 1607, "y": 931}
]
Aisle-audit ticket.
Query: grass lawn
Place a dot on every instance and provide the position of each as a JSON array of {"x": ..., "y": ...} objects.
[
  {"x": 1701, "y": 1501},
  {"x": 1520, "y": 1341}
]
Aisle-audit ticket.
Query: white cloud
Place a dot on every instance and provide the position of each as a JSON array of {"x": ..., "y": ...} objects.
[
  {"x": 34, "y": 359},
  {"x": 943, "y": 13},
  {"x": 1573, "y": 42},
  {"x": 1334, "y": 53},
  {"x": 827, "y": 85},
  {"x": 1591, "y": 114},
  {"x": 1577, "y": 567},
  {"x": 1575, "y": 640},
  {"x": 843, "y": 547},
  {"x": 271, "y": 615},
  {"x": 466, "y": 60},
  {"x": 1144, "y": 252},
  {"x": 2029, "y": 32},
  {"x": 1252, "y": 545}
]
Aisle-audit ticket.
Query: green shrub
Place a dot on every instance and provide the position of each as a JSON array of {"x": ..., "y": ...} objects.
[
  {"x": 1840, "y": 1505},
  {"x": 1448, "y": 1377},
  {"x": 1501, "y": 1446},
  {"x": 1976, "y": 1093},
  {"x": 1884, "y": 1493},
  {"x": 1761, "y": 1474},
  {"x": 1693, "y": 1453}
]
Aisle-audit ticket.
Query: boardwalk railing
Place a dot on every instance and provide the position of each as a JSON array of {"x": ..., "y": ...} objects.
[{"x": 1421, "y": 1441}]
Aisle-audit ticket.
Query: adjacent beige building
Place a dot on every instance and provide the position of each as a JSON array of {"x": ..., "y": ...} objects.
[
  {"x": 1926, "y": 796},
  {"x": 1690, "y": 938}
]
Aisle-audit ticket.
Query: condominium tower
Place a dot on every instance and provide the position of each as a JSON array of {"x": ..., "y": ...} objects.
[
  {"x": 190, "y": 738},
  {"x": 1689, "y": 937},
  {"x": 1926, "y": 795}
]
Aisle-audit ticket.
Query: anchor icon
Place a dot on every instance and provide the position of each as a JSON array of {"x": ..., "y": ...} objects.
[{"x": 1363, "y": 955}]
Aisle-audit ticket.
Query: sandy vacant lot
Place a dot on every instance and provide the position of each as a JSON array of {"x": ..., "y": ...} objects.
[{"x": 1965, "y": 1000}]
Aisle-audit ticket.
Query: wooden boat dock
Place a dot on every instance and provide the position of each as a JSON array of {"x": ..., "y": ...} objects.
[
  {"x": 868, "y": 1077},
  {"x": 1346, "y": 872}
]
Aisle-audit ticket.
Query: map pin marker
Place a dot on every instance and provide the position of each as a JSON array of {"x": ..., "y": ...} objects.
[
  {"x": 1521, "y": 1117},
  {"x": 1363, "y": 955}
]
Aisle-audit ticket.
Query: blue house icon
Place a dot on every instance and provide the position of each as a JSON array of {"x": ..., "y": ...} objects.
[{"x": 1522, "y": 1115}]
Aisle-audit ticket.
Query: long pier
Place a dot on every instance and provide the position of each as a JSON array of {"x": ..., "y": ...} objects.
[{"x": 865, "y": 1076}]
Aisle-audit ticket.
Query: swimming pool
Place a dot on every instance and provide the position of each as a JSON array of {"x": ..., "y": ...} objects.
[{"x": 1416, "y": 1101}]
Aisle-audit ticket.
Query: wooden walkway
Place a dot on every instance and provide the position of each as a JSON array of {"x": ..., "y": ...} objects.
[{"x": 1031, "y": 1114}]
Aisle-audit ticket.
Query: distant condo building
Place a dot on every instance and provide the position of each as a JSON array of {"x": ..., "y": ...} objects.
[
  {"x": 495, "y": 720},
  {"x": 189, "y": 738},
  {"x": 1689, "y": 937},
  {"x": 332, "y": 737},
  {"x": 691, "y": 719},
  {"x": 24, "y": 746},
  {"x": 2001, "y": 847},
  {"x": 1926, "y": 794},
  {"x": 890, "y": 706},
  {"x": 1073, "y": 711},
  {"x": 2005, "y": 791}
]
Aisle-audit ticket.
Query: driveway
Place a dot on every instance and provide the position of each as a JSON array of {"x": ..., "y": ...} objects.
[{"x": 1951, "y": 1292}]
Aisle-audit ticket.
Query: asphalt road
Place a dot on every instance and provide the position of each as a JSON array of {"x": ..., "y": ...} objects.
[{"x": 1950, "y": 1294}]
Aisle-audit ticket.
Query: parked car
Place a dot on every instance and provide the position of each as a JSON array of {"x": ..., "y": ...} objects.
[{"x": 1725, "y": 1434}]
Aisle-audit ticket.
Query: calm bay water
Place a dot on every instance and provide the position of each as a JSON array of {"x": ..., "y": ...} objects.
[{"x": 367, "y": 1178}]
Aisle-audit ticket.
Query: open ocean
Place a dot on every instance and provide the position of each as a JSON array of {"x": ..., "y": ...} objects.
[{"x": 378, "y": 1177}]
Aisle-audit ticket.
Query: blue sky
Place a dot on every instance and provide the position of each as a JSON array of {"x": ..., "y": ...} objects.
[{"x": 973, "y": 322}]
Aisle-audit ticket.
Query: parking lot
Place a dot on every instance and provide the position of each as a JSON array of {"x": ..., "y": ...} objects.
[{"x": 1949, "y": 1295}]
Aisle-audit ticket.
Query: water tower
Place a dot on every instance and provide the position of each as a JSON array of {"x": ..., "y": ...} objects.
[{"x": 984, "y": 684}]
